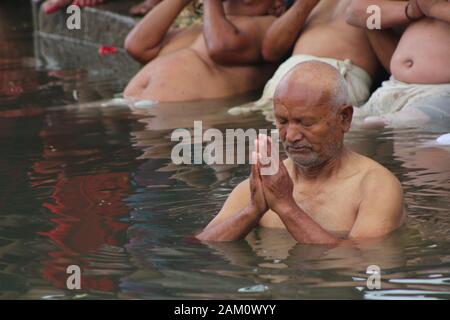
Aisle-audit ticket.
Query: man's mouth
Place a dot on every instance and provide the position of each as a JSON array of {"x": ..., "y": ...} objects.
[{"x": 299, "y": 149}]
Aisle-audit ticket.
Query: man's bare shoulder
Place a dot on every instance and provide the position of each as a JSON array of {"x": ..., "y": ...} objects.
[
  {"x": 240, "y": 195},
  {"x": 381, "y": 209},
  {"x": 236, "y": 201},
  {"x": 243, "y": 187},
  {"x": 373, "y": 174}
]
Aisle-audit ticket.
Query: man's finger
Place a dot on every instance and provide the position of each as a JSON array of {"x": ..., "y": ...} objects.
[
  {"x": 256, "y": 146},
  {"x": 263, "y": 156},
  {"x": 269, "y": 146},
  {"x": 255, "y": 167}
]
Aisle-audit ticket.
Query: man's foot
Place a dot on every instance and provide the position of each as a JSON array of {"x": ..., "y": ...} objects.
[
  {"x": 375, "y": 122},
  {"x": 144, "y": 7},
  {"x": 51, "y": 6},
  {"x": 88, "y": 3}
]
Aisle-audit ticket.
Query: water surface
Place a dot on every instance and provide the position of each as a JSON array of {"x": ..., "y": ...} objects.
[{"x": 95, "y": 187}]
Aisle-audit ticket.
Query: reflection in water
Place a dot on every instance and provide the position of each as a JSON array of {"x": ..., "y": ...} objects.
[
  {"x": 86, "y": 201},
  {"x": 95, "y": 187}
]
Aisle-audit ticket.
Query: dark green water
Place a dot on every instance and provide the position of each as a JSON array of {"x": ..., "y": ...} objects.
[{"x": 96, "y": 187}]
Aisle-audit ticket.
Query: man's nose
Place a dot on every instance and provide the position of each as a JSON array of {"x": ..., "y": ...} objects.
[{"x": 293, "y": 133}]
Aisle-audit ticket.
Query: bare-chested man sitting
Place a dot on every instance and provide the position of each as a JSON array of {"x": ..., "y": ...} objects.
[
  {"x": 323, "y": 192},
  {"x": 223, "y": 58},
  {"x": 317, "y": 30},
  {"x": 419, "y": 89}
]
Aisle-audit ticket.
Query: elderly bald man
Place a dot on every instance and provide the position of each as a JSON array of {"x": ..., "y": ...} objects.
[{"x": 323, "y": 192}]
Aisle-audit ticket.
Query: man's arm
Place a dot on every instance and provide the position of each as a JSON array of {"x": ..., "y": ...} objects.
[
  {"x": 302, "y": 227},
  {"x": 145, "y": 40},
  {"x": 284, "y": 32},
  {"x": 228, "y": 42},
  {"x": 381, "y": 210},
  {"x": 241, "y": 212},
  {"x": 392, "y": 13},
  {"x": 437, "y": 9},
  {"x": 384, "y": 43},
  {"x": 234, "y": 227}
]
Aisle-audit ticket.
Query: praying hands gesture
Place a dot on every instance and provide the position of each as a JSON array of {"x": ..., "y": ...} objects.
[
  {"x": 264, "y": 192},
  {"x": 277, "y": 188}
]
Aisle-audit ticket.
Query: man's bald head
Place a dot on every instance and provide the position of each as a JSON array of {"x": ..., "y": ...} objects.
[
  {"x": 315, "y": 83},
  {"x": 312, "y": 113}
]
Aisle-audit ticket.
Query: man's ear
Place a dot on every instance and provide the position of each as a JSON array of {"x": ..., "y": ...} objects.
[{"x": 345, "y": 115}]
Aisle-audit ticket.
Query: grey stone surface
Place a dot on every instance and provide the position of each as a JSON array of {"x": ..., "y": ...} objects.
[
  {"x": 57, "y": 47},
  {"x": 107, "y": 24}
]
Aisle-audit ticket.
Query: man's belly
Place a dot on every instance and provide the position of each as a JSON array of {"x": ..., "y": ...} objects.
[
  {"x": 185, "y": 75},
  {"x": 340, "y": 41},
  {"x": 422, "y": 55}
]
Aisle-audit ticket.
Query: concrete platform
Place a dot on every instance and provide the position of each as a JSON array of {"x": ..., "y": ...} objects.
[{"x": 108, "y": 24}]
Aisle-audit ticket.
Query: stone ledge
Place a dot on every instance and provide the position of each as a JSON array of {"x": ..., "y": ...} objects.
[
  {"x": 107, "y": 24},
  {"x": 58, "y": 47}
]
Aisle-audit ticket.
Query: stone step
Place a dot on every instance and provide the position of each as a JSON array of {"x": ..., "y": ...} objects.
[
  {"x": 58, "y": 47},
  {"x": 106, "y": 24}
]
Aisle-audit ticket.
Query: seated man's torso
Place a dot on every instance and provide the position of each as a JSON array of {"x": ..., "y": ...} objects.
[
  {"x": 327, "y": 34},
  {"x": 183, "y": 69},
  {"x": 332, "y": 203},
  {"x": 423, "y": 53}
]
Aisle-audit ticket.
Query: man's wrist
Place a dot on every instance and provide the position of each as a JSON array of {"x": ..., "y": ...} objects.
[
  {"x": 286, "y": 207},
  {"x": 253, "y": 210}
]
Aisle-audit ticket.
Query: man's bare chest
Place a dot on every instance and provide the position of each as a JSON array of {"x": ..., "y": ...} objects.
[{"x": 334, "y": 209}]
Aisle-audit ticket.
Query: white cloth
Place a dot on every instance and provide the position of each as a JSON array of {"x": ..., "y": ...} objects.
[
  {"x": 395, "y": 95},
  {"x": 358, "y": 82}
]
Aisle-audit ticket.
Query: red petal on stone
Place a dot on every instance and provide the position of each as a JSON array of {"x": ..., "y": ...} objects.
[{"x": 104, "y": 50}]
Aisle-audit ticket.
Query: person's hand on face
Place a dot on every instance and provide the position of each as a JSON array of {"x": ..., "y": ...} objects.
[
  {"x": 414, "y": 10},
  {"x": 278, "y": 187}
]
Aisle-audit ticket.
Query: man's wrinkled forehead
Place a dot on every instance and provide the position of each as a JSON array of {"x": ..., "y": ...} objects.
[
  {"x": 298, "y": 110},
  {"x": 301, "y": 100}
]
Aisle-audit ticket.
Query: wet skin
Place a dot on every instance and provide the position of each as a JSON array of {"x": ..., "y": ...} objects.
[
  {"x": 322, "y": 31},
  {"x": 219, "y": 59},
  {"x": 322, "y": 189}
]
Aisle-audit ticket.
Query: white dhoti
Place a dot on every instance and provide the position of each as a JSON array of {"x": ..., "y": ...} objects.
[{"x": 398, "y": 104}]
